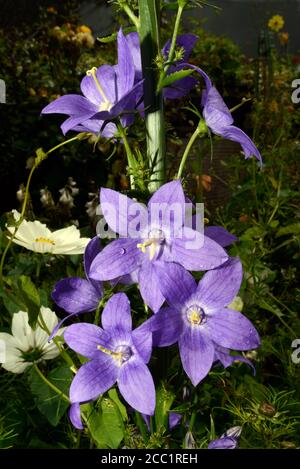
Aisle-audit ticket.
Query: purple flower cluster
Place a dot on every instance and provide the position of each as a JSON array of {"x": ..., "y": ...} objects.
[
  {"x": 112, "y": 92},
  {"x": 197, "y": 316}
]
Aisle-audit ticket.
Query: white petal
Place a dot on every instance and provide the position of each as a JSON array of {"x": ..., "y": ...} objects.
[
  {"x": 51, "y": 320},
  {"x": 50, "y": 351},
  {"x": 21, "y": 330},
  {"x": 16, "y": 366}
]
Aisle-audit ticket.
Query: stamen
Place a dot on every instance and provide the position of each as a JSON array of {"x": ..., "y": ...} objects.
[
  {"x": 92, "y": 73},
  {"x": 44, "y": 240},
  {"x": 115, "y": 355}
]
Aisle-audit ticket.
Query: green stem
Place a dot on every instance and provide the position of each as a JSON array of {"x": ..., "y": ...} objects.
[
  {"x": 51, "y": 385},
  {"x": 134, "y": 19},
  {"x": 173, "y": 43},
  {"x": 99, "y": 307},
  {"x": 154, "y": 109},
  {"x": 130, "y": 156},
  {"x": 187, "y": 150}
]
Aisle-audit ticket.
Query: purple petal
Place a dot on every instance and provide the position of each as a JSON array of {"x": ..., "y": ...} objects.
[
  {"x": 196, "y": 353},
  {"x": 207, "y": 80},
  {"x": 220, "y": 235},
  {"x": 175, "y": 283},
  {"x": 93, "y": 378},
  {"x": 237, "y": 135},
  {"x": 106, "y": 75},
  {"x": 187, "y": 41},
  {"x": 84, "y": 339},
  {"x": 76, "y": 295},
  {"x": 116, "y": 313},
  {"x": 197, "y": 252},
  {"x": 126, "y": 104},
  {"x": 180, "y": 88},
  {"x": 95, "y": 125},
  {"x": 122, "y": 213},
  {"x": 149, "y": 286},
  {"x": 136, "y": 386},
  {"x": 166, "y": 326},
  {"x": 215, "y": 112},
  {"x": 232, "y": 330},
  {"x": 223, "y": 356},
  {"x": 135, "y": 49},
  {"x": 170, "y": 200},
  {"x": 218, "y": 287},
  {"x": 92, "y": 249},
  {"x": 174, "y": 419},
  {"x": 120, "y": 257},
  {"x": 74, "y": 415},
  {"x": 72, "y": 122},
  {"x": 70, "y": 104},
  {"x": 142, "y": 340},
  {"x": 223, "y": 443},
  {"x": 125, "y": 67}
]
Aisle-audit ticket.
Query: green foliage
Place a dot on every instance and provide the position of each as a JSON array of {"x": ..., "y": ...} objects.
[
  {"x": 105, "y": 421},
  {"x": 49, "y": 403}
]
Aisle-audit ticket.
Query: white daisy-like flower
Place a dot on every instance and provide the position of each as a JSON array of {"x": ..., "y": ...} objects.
[
  {"x": 36, "y": 236},
  {"x": 26, "y": 346}
]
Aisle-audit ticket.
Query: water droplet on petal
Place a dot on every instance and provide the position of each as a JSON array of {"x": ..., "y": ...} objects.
[{"x": 122, "y": 251}]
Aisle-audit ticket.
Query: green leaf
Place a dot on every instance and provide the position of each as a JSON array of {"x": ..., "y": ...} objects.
[
  {"x": 105, "y": 424},
  {"x": 30, "y": 297},
  {"x": 173, "y": 77},
  {"x": 293, "y": 229},
  {"x": 113, "y": 394},
  {"x": 164, "y": 400},
  {"x": 49, "y": 403},
  {"x": 113, "y": 37}
]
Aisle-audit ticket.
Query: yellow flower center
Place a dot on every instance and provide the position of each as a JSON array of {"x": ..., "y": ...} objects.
[
  {"x": 151, "y": 244},
  {"x": 106, "y": 105},
  {"x": 44, "y": 240},
  {"x": 121, "y": 356},
  {"x": 195, "y": 315}
]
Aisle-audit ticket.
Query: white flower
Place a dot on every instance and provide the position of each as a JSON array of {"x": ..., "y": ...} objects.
[
  {"x": 36, "y": 236},
  {"x": 27, "y": 346}
]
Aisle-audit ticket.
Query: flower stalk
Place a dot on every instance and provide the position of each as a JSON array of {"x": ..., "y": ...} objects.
[{"x": 154, "y": 109}]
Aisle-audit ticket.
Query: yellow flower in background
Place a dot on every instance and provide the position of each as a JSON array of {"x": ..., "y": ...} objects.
[
  {"x": 284, "y": 38},
  {"x": 37, "y": 237},
  {"x": 276, "y": 23},
  {"x": 52, "y": 10},
  {"x": 83, "y": 29}
]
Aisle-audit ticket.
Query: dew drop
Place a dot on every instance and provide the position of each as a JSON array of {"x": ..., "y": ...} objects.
[{"x": 122, "y": 251}]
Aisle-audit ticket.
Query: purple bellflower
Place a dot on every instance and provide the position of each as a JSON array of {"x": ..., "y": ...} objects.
[
  {"x": 108, "y": 92},
  {"x": 163, "y": 238},
  {"x": 198, "y": 319},
  {"x": 77, "y": 295},
  {"x": 229, "y": 439},
  {"x": 181, "y": 87},
  {"x": 219, "y": 120},
  {"x": 117, "y": 354}
]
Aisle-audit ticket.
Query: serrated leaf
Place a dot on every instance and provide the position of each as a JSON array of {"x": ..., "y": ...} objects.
[
  {"x": 106, "y": 425},
  {"x": 49, "y": 403},
  {"x": 30, "y": 297},
  {"x": 173, "y": 77}
]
